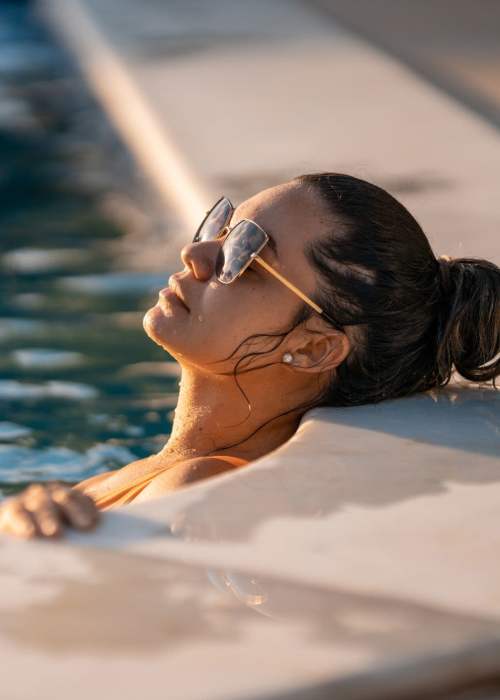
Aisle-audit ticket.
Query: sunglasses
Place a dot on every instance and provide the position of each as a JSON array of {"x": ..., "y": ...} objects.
[{"x": 242, "y": 245}]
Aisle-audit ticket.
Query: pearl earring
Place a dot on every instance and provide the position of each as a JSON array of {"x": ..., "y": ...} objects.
[{"x": 287, "y": 357}]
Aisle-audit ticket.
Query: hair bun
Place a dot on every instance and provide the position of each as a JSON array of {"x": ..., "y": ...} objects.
[
  {"x": 468, "y": 332},
  {"x": 446, "y": 282}
]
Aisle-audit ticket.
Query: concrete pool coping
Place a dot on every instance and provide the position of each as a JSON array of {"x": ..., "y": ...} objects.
[{"x": 370, "y": 574}]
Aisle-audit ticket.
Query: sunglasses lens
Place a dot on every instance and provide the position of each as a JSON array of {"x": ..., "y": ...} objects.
[
  {"x": 214, "y": 221},
  {"x": 235, "y": 253}
]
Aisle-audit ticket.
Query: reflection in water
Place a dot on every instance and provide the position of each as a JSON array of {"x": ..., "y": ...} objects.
[{"x": 70, "y": 306}]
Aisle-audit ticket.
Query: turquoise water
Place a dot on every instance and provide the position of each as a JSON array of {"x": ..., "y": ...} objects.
[{"x": 82, "y": 390}]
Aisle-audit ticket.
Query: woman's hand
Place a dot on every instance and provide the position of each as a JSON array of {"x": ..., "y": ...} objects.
[{"x": 42, "y": 510}]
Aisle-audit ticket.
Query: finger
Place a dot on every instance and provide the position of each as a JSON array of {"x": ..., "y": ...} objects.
[
  {"x": 48, "y": 519},
  {"x": 84, "y": 501},
  {"x": 15, "y": 519},
  {"x": 33, "y": 496},
  {"x": 87, "y": 506},
  {"x": 87, "y": 503},
  {"x": 37, "y": 500},
  {"x": 78, "y": 509}
]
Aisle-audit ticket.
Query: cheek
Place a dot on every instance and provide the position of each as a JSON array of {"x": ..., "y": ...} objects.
[
  {"x": 241, "y": 310},
  {"x": 222, "y": 318},
  {"x": 235, "y": 306}
]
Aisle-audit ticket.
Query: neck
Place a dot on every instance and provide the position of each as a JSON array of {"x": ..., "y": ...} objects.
[{"x": 212, "y": 415}]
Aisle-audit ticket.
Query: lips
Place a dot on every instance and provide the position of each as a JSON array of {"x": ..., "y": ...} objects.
[{"x": 173, "y": 285}]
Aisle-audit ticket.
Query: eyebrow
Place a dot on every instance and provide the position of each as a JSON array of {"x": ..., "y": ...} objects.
[{"x": 272, "y": 244}]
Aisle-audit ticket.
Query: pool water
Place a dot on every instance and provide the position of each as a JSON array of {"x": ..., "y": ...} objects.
[{"x": 82, "y": 390}]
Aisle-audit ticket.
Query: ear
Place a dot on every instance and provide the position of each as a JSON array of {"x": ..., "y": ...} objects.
[{"x": 319, "y": 349}]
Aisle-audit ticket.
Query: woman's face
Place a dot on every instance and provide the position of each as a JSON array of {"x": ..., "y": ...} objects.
[{"x": 219, "y": 317}]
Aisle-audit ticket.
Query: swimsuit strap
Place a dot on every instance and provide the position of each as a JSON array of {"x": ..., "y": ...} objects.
[{"x": 126, "y": 494}]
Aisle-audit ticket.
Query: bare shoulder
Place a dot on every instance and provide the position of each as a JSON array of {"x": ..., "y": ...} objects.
[
  {"x": 187, "y": 472},
  {"x": 99, "y": 484}
]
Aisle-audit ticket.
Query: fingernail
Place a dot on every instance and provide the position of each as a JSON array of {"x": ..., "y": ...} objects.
[{"x": 50, "y": 528}]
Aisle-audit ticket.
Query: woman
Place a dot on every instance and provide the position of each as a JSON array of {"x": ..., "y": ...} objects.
[{"x": 322, "y": 291}]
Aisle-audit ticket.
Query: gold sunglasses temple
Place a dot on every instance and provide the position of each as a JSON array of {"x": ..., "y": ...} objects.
[{"x": 288, "y": 284}]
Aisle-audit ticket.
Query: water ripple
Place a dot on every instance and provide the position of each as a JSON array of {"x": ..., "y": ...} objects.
[{"x": 74, "y": 391}]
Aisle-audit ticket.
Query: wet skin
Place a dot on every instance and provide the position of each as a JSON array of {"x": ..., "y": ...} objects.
[{"x": 202, "y": 332}]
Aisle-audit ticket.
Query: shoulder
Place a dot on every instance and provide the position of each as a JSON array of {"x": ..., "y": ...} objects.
[
  {"x": 99, "y": 483},
  {"x": 191, "y": 470},
  {"x": 201, "y": 467}
]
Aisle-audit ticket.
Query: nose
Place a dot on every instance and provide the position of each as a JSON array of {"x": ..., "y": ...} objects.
[{"x": 200, "y": 258}]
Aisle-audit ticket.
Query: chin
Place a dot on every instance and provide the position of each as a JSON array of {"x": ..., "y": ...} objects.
[{"x": 155, "y": 324}]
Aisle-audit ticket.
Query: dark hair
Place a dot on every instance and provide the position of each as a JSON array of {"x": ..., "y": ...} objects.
[{"x": 411, "y": 318}]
